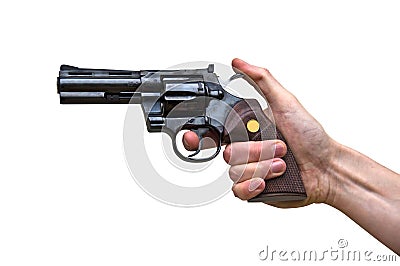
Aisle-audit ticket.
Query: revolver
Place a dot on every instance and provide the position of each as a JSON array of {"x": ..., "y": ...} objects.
[{"x": 187, "y": 99}]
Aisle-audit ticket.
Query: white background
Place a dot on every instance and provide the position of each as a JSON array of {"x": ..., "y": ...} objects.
[{"x": 66, "y": 195}]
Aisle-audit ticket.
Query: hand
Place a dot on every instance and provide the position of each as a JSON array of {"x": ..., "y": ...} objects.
[
  {"x": 311, "y": 146},
  {"x": 313, "y": 149},
  {"x": 332, "y": 173}
]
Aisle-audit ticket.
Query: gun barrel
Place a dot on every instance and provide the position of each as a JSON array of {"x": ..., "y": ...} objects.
[{"x": 85, "y": 85}]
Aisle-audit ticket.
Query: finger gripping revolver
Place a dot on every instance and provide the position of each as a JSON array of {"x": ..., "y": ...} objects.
[{"x": 175, "y": 101}]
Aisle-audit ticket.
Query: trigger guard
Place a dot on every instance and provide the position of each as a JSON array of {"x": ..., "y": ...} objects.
[
  {"x": 195, "y": 125},
  {"x": 195, "y": 153}
]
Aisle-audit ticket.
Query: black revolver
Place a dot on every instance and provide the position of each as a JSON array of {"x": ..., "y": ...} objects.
[{"x": 187, "y": 99}]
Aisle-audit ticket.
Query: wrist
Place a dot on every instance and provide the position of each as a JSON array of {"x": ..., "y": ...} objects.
[
  {"x": 336, "y": 173},
  {"x": 347, "y": 177},
  {"x": 333, "y": 174},
  {"x": 353, "y": 176}
]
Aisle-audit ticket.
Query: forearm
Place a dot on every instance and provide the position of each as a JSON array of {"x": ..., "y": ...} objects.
[{"x": 368, "y": 193}]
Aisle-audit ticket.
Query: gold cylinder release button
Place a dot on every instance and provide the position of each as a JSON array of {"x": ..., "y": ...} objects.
[{"x": 253, "y": 126}]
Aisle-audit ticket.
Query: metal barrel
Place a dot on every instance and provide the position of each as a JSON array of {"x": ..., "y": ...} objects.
[{"x": 84, "y": 85}]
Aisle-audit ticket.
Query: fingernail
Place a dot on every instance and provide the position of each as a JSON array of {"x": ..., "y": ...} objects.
[
  {"x": 255, "y": 183},
  {"x": 279, "y": 149},
  {"x": 277, "y": 167}
]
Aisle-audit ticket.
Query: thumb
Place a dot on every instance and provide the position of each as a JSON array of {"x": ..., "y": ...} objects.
[{"x": 278, "y": 97}]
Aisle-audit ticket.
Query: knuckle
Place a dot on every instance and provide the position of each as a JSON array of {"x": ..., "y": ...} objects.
[
  {"x": 256, "y": 150},
  {"x": 266, "y": 71},
  {"x": 265, "y": 166},
  {"x": 261, "y": 74},
  {"x": 235, "y": 174},
  {"x": 268, "y": 148}
]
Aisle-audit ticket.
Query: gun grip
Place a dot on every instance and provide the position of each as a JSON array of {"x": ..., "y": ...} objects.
[{"x": 287, "y": 187}]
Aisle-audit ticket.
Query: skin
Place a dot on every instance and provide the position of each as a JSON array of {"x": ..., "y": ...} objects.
[{"x": 332, "y": 173}]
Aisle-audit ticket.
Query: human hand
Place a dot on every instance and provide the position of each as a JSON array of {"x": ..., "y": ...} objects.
[
  {"x": 332, "y": 173},
  {"x": 313, "y": 149},
  {"x": 253, "y": 161}
]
